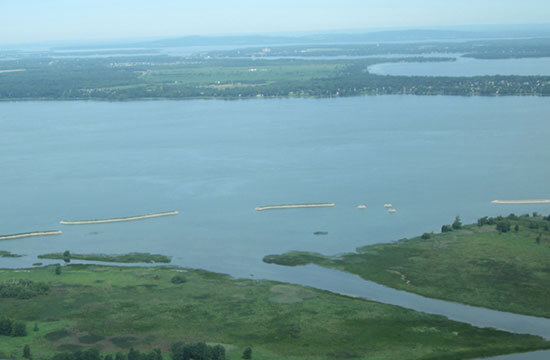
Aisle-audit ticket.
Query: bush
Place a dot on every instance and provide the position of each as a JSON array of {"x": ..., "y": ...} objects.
[
  {"x": 446, "y": 228},
  {"x": 5, "y": 326},
  {"x": 457, "y": 224},
  {"x": 426, "y": 236},
  {"x": 247, "y": 353},
  {"x": 503, "y": 226},
  {"x": 483, "y": 221},
  {"x": 178, "y": 279},
  {"x": 18, "y": 329},
  {"x": 197, "y": 351},
  {"x": 22, "y": 289}
]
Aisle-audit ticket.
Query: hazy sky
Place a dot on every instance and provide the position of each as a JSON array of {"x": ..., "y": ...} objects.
[{"x": 40, "y": 20}]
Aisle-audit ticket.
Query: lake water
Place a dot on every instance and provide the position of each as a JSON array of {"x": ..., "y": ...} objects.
[
  {"x": 432, "y": 157},
  {"x": 466, "y": 67}
]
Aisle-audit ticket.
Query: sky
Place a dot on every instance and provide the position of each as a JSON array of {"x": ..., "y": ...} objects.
[{"x": 60, "y": 20}]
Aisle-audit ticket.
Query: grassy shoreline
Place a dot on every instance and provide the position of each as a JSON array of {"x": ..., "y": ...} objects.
[
  {"x": 124, "y": 258},
  {"x": 114, "y": 308},
  {"x": 475, "y": 265}
]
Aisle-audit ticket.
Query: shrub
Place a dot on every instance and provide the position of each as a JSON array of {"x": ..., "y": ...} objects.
[
  {"x": 457, "y": 224},
  {"x": 247, "y": 353},
  {"x": 446, "y": 228},
  {"x": 22, "y": 289},
  {"x": 426, "y": 236},
  {"x": 503, "y": 226},
  {"x": 483, "y": 221},
  {"x": 178, "y": 279},
  {"x": 18, "y": 329}
]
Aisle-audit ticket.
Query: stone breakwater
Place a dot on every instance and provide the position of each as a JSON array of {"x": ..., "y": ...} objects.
[
  {"x": 295, "y": 206},
  {"x": 129, "y": 218},
  {"x": 29, "y": 234},
  {"x": 511, "y": 202}
]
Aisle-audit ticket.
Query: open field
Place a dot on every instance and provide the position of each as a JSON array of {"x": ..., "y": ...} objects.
[
  {"x": 476, "y": 265},
  {"x": 116, "y": 308}
]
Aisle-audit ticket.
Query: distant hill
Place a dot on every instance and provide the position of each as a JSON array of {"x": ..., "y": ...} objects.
[{"x": 412, "y": 35}]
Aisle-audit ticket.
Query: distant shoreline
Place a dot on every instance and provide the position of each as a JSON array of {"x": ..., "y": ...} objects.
[
  {"x": 129, "y": 218},
  {"x": 510, "y": 202},
  {"x": 295, "y": 206},
  {"x": 29, "y": 234}
]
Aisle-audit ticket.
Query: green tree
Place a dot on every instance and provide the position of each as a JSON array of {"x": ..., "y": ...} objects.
[
  {"x": 446, "y": 228},
  {"x": 18, "y": 329},
  {"x": 218, "y": 352},
  {"x": 133, "y": 354},
  {"x": 516, "y": 228},
  {"x": 67, "y": 256},
  {"x": 178, "y": 279},
  {"x": 5, "y": 326},
  {"x": 247, "y": 353},
  {"x": 58, "y": 269},
  {"x": 457, "y": 224},
  {"x": 503, "y": 226},
  {"x": 27, "y": 352},
  {"x": 108, "y": 357},
  {"x": 426, "y": 236},
  {"x": 120, "y": 356},
  {"x": 155, "y": 354}
]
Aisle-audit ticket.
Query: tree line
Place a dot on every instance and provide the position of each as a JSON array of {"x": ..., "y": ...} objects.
[{"x": 179, "y": 351}]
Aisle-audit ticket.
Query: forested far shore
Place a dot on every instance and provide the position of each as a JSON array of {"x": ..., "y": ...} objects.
[{"x": 163, "y": 77}]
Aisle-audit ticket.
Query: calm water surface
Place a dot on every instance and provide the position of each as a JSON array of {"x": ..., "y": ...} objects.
[
  {"x": 432, "y": 157},
  {"x": 467, "y": 67}
]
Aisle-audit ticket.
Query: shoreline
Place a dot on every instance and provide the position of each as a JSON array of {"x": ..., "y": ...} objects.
[
  {"x": 295, "y": 206},
  {"x": 129, "y": 218},
  {"x": 30, "y": 234},
  {"x": 511, "y": 202}
]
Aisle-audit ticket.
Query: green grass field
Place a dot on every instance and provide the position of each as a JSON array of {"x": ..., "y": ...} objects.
[
  {"x": 115, "y": 308},
  {"x": 474, "y": 265}
]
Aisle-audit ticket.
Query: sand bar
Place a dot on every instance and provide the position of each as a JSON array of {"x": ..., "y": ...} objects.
[
  {"x": 520, "y": 201},
  {"x": 29, "y": 234},
  {"x": 12, "y": 70},
  {"x": 130, "y": 218},
  {"x": 295, "y": 206}
]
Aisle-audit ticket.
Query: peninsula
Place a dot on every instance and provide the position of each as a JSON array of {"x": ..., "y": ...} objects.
[{"x": 484, "y": 264}]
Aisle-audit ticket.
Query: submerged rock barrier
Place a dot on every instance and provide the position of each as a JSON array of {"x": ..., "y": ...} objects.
[
  {"x": 511, "y": 202},
  {"x": 295, "y": 206},
  {"x": 29, "y": 234},
  {"x": 129, "y": 218}
]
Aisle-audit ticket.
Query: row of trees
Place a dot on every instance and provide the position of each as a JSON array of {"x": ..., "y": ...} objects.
[
  {"x": 22, "y": 289},
  {"x": 456, "y": 225},
  {"x": 13, "y": 328},
  {"x": 179, "y": 351}
]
